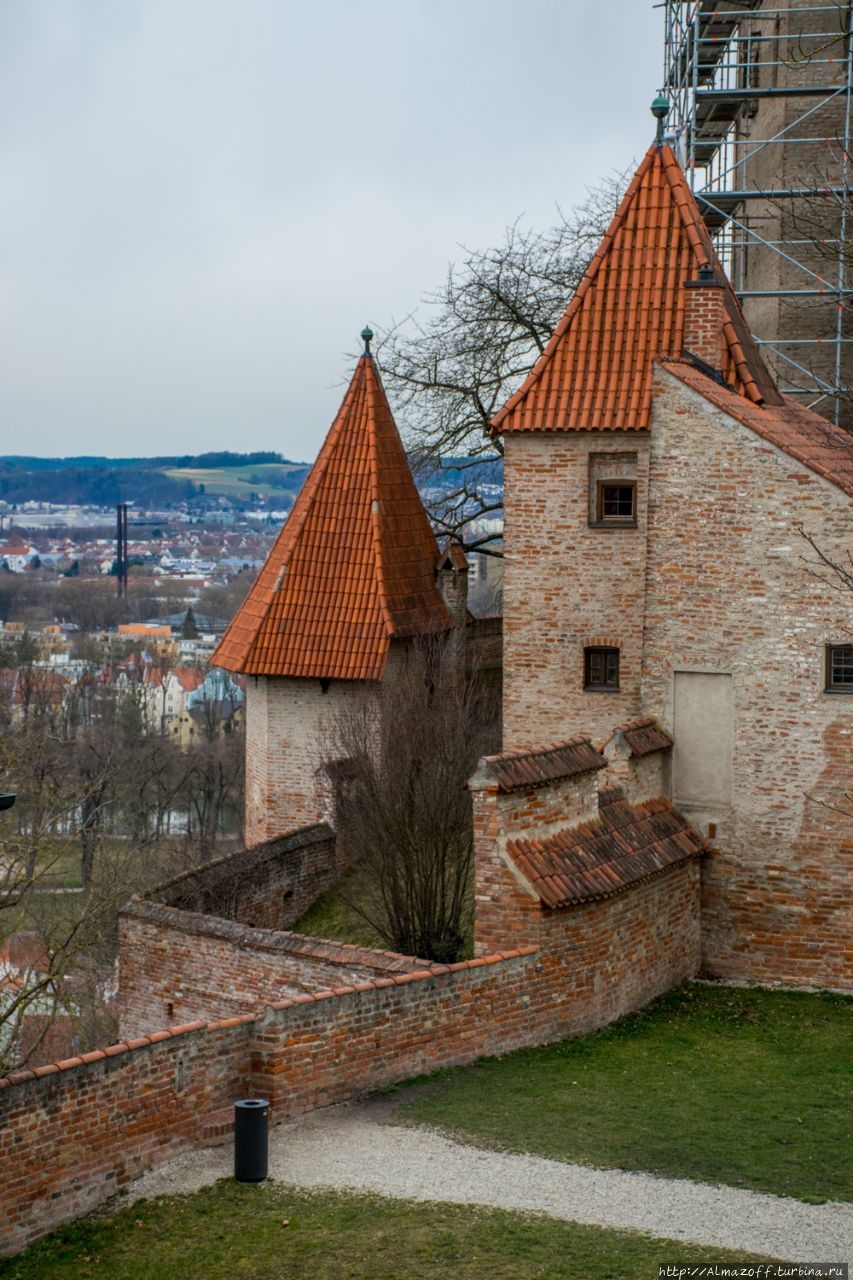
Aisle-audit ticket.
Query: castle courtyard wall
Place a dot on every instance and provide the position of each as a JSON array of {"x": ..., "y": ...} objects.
[
  {"x": 179, "y": 966},
  {"x": 74, "y": 1133}
]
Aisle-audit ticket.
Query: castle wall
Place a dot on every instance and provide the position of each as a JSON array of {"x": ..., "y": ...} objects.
[
  {"x": 731, "y": 604},
  {"x": 74, "y": 1134},
  {"x": 568, "y": 584},
  {"x": 178, "y": 966},
  {"x": 599, "y": 959},
  {"x": 269, "y": 886}
]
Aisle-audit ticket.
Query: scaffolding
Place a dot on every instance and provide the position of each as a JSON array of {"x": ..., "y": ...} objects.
[{"x": 761, "y": 97}]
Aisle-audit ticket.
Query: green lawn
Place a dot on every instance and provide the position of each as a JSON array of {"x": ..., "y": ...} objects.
[
  {"x": 269, "y": 1232},
  {"x": 718, "y": 1084}
]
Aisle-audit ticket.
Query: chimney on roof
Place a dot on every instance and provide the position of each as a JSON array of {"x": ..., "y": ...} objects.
[{"x": 703, "y": 319}]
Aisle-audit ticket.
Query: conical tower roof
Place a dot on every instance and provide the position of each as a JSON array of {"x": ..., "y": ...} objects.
[
  {"x": 596, "y": 372},
  {"x": 354, "y": 565}
]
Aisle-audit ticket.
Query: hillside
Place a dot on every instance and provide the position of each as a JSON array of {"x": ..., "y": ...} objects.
[{"x": 164, "y": 482}]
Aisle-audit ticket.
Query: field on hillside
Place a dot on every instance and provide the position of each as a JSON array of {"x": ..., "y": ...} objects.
[{"x": 271, "y": 478}]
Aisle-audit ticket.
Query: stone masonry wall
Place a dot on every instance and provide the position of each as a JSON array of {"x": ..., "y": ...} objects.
[
  {"x": 567, "y": 585},
  {"x": 729, "y": 590}
]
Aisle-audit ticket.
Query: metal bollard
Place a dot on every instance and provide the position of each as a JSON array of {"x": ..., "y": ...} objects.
[{"x": 251, "y": 1139}]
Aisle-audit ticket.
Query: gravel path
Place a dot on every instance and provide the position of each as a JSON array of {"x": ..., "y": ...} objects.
[{"x": 355, "y": 1147}]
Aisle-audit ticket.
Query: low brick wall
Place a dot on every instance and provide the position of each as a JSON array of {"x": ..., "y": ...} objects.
[
  {"x": 268, "y": 886},
  {"x": 177, "y": 966},
  {"x": 74, "y": 1134}
]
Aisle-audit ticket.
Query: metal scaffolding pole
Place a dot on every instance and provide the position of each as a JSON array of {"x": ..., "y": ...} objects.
[{"x": 761, "y": 94}]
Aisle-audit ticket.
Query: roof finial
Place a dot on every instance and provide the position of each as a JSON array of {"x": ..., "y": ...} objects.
[
  {"x": 660, "y": 111},
  {"x": 367, "y": 334}
]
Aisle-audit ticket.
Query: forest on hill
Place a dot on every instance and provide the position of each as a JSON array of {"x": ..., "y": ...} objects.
[{"x": 103, "y": 481}]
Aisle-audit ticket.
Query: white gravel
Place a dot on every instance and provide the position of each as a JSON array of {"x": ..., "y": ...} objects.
[{"x": 354, "y": 1147}]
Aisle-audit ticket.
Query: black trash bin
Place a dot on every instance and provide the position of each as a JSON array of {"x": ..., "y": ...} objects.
[{"x": 251, "y": 1139}]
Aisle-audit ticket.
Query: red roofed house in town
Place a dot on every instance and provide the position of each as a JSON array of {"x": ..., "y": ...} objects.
[
  {"x": 660, "y": 588},
  {"x": 351, "y": 576}
]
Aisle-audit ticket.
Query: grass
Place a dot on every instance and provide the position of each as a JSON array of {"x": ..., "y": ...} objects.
[
  {"x": 238, "y": 1232},
  {"x": 718, "y": 1084},
  {"x": 262, "y": 477},
  {"x": 332, "y": 916}
]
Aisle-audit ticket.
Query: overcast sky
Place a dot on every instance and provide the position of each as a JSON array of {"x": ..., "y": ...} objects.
[{"x": 203, "y": 201}]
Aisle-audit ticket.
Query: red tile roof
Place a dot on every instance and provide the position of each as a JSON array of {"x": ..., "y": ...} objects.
[
  {"x": 514, "y": 771},
  {"x": 796, "y": 430},
  {"x": 354, "y": 565},
  {"x": 596, "y": 372},
  {"x": 624, "y": 846},
  {"x": 453, "y": 557},
  {"x": 644, "y": 737}
]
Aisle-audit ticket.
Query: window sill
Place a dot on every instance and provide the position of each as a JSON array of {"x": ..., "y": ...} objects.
[
  {"x": 848, "y": 693},
  {"x": 601, "y": 688},
  {"x": 612, "y": 524}
]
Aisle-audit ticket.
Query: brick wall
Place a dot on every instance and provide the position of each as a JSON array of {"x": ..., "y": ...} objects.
[
  {"x": 177, "y": 966},
  {"x": 598, "y": 959},
  {"x": 729, "y": 591},
  {"x": 268, "y": 886},
  {"x": 567, "y": 585},
  {"x": 484, "y": 644},
  {"x": 73, "y": 1135},
  {"x": 286, "y": 722}
]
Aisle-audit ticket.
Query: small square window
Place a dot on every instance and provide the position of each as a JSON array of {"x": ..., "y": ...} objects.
[
  {"x": 601, "y": 669},
  {"x": 839, "y": 668},
  {"x": 613, "y": 490},
  {"x": 616, "y": 502}
]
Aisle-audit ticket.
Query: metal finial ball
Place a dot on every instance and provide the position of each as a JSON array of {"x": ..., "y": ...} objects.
[
  {"x": 660, "y": 106},
  {"x": 366, "y": 335}
]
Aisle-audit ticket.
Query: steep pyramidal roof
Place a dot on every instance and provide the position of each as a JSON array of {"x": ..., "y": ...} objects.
[
  {"x": 354, "y": 565},
  {"x": 596, "y": 372}
]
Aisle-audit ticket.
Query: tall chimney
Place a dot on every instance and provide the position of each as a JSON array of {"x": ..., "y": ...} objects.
[{"x": 703, "y": 318}]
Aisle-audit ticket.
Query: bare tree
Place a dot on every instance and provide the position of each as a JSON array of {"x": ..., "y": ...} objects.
[
  {"x": 449, "y": 373},
  {"x": 403, "y": 809}
]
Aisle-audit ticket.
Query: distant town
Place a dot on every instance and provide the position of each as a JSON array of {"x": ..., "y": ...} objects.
[{"x": 197, "y": 530}]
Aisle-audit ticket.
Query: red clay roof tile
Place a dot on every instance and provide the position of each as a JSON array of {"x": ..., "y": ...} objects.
[
  {"x": 354, "y": 565},
  {"x": 624, "y": 846},
  {"x": 645, "y": 737},
  {"x": 596, "y": 372},
  {"x": 514, "y": 771}
]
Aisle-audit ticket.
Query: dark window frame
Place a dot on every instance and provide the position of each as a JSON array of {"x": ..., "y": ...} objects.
[
  {"x": 609, "y": 521},
  {"x": 838, "y": 656},
  {"x": 601, "y": 669}
]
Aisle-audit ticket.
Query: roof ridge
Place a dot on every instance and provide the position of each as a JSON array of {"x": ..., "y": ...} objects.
[{"x": 375, "y": 503}]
